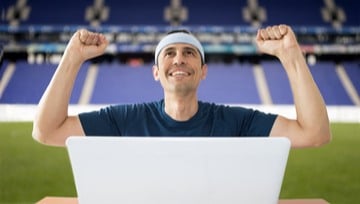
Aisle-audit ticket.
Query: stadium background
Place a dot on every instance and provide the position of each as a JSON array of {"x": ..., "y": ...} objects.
[{"x": 33, "y": 35}]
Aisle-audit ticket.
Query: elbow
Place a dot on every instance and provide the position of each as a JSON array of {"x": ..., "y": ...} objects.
[
  {"x": 323, "y": 140},
  {"x": 314, "y": 137},
  {"x": 47, "y": 135},
  {"x": 37, "y": 131},
  {"x": 327, "y": 138},
  {"x": 38, "y": 135},
  {"x": 324, "y": 135},
  {"x": 320, "y": 137}
]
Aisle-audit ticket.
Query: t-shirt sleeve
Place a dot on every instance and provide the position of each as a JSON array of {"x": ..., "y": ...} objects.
[
  {"x": 259, "y": 123},
  {"x": 99, "y": 123}
]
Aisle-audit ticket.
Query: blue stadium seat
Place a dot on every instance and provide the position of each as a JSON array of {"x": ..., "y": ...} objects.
[
  {"x": 29, "y": 82},
  {"x": 58, "y": 12},
  {"x": 351, "y": 8},
  {"x": 232, "y": 83},
  {"x": 3, "y": 64},
  {"x": 278, "y": 83},
  {"x": 66, "y": 12},
  {"x": 200, "y": 12},
  {"x": 224, "y": 13},
  {"x": 226, "y": 83},
  {"x": 293, "y": 12},
  {"x": 353, "y": 71},
  {"x": 329, "y": 84},
  {"x": 125, "y": 84},
  {"x": 229, "y": 83},
  {"x": 136, "y": 12}
]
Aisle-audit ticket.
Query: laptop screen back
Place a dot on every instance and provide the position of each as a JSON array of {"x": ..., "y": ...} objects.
[{"x": 163, "y": 170}]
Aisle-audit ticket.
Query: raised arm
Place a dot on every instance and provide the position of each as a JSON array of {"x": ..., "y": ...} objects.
[
  {"x": 52, "y": 124},
  {"x": 311, "y": 127}
]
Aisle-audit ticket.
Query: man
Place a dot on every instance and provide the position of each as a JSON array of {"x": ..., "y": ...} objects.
[{"x": 180, "y": 66}]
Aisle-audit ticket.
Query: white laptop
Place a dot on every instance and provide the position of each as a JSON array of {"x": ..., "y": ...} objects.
[{"x": 178, "y": 170}]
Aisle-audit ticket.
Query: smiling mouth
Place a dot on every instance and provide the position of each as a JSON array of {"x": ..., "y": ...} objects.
[{"x": 179, "y": 73}]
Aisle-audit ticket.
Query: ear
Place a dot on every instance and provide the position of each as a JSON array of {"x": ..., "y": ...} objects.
[
  {"x": 155, "y": 70},
  {"x": 204, "y": 69}
]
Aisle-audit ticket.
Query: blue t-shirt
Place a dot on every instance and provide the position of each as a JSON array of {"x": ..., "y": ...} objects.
[{"x": 150, "y": 119}]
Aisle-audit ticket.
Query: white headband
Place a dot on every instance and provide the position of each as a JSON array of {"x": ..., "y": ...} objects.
[{"x": 179, "y": 38}]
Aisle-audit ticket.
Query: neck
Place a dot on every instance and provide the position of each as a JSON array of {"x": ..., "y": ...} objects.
[{"x": 181, "y": 108}]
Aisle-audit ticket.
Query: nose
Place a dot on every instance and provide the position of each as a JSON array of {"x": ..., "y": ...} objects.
[{"x": 179, "y": 59}]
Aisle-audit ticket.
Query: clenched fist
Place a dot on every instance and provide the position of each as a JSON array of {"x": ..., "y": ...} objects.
[
  {"x": 85, "y": 45},
  {"x": 277, "y": 40}
]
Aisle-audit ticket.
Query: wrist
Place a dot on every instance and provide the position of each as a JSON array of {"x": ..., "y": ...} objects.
[
  {"x": 292, "y": 59},
  {"x": 289, "y": 55}
]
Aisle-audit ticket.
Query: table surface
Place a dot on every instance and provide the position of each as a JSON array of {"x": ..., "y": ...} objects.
[{"x": 72, "y": 200}]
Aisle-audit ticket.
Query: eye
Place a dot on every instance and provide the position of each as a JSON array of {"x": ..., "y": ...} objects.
[
  {"x": 169, "y": 53},
  {"x": 190, "y": 52}
]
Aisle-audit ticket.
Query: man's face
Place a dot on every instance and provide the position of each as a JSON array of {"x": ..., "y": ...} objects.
[{"x": 179, "y": 68}]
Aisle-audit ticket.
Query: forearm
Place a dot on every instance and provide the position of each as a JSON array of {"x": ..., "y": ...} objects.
[{"x": 310, "y": 107}]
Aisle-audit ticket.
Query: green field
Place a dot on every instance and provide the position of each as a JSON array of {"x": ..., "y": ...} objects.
[{"x": 29, "y": 171}]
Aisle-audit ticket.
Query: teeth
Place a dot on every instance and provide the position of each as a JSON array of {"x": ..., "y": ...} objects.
[{"x": 177, "y": 73}]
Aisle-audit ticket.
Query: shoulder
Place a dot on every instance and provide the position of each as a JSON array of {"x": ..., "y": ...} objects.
[{"x": 232, "y": 111}]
